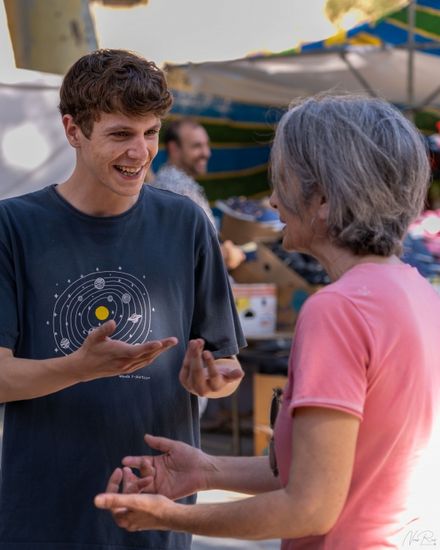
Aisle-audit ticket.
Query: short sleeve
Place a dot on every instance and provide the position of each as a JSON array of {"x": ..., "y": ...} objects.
[
  {"x": 8, "y": 300},
  {"x": 330, "y": 355},
  {"x": 215, "y": 317}
]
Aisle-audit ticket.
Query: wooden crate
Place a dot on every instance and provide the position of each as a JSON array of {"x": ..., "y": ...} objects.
[
  {"x": 292, "y": 289},
  {"x": 263, "y": 385}
]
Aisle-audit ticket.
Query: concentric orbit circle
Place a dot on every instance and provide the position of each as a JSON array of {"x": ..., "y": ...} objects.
[{"x": 96, "y": 298}]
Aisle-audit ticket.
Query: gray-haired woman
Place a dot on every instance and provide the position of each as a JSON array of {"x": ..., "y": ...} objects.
[{"x": 363, "y": 391}]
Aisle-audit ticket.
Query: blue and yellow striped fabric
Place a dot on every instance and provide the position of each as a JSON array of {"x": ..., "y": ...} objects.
[{"x": 392, "y": 30}]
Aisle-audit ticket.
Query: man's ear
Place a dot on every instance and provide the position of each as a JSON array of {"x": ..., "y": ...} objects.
[
  {"x": 72, "y": 131},
  {"x": 173, "y": 150}
]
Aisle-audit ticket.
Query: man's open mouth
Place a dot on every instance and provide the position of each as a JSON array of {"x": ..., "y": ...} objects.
[{"x": 128, "y": 170}]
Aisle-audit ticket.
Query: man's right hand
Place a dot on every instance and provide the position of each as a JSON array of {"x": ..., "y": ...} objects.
[
  {"x": 180, "y": 470},
  {"x": 100, "y": 356}
]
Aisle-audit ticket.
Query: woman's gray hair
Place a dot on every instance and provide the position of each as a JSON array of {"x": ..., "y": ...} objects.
[{"x": 364, "y": 157}]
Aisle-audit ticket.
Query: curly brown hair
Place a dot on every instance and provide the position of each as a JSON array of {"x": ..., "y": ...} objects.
[{"x": 108, "y": 81}]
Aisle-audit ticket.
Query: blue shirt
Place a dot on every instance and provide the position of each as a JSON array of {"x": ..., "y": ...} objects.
[{"x": 157, "y": 271}]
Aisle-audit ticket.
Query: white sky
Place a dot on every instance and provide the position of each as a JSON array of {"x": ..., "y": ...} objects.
[{"x": 208, "y": 30}]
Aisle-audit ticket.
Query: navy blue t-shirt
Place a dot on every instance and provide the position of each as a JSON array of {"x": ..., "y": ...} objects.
[{"x": 157, "y": 271}]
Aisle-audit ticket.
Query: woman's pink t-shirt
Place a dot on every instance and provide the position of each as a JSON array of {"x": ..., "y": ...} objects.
[{"x": 369, "y": 345}]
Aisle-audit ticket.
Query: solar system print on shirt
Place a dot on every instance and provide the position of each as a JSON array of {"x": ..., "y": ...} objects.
[{"x": 86, "y": 303}]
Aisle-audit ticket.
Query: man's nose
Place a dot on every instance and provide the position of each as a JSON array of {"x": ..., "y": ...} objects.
[{"x": 138, "y": 149}]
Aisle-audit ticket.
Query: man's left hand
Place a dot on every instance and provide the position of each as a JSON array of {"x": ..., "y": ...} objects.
[{"x": 203, "y": 375}]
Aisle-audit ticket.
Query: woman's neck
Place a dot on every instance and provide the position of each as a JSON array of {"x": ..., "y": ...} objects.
[{"x": 337, "y": 261}]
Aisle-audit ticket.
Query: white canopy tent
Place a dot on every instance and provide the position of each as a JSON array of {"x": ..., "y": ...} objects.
[
  {"x": 33, "y": 149},
  {"x": 276, "y": 80}
]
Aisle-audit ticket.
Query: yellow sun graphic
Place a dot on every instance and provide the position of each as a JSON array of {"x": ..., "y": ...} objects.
[{"x": 102, "y": 313}]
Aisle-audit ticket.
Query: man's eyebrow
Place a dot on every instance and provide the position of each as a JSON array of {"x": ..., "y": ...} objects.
[
  {"x": 124, "y": 128},
  {"x": 118, "y": 128}
]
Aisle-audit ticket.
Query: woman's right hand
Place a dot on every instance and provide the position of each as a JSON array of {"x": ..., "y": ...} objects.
[{"x": 179, "y": 471}]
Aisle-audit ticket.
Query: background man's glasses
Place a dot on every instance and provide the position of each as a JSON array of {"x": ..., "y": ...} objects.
[{"x": 274, "y": 408}]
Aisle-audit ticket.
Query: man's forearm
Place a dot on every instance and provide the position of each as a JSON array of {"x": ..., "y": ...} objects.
[{"x": 29, "y": 378}]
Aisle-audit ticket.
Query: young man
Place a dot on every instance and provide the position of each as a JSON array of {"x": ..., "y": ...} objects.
[
  {"x": 111, "y": 293},
  {"x": 188, "y": 152}
]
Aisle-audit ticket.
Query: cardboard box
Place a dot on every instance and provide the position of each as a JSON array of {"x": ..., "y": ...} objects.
[
  {"x": 292, "y": 289},
  {"x": 290, "y": 298},
  {"x": 241, "y": 231},
  {"x": 257, "y": 308}
]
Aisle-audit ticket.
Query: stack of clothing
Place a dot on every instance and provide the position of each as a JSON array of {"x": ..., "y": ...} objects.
[
  {"x": 421, "y": 246},
  {"x": 433, "y": 143}
]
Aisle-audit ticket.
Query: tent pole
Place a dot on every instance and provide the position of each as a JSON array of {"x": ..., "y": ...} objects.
[
  {"x": 428, "y": 99},
  {"x": 357, "y": 74},
  {"x": 410, "y": 45}
]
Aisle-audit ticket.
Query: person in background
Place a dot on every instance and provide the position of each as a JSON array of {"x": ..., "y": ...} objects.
[
  {"x": 433, "y": 142},
  {"x": 359, "y": 416},
  {"x": 111, "y": 324},
  {"x": 188, "y": 152}
]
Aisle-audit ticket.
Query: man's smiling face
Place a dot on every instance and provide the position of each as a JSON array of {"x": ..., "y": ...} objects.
[{"x": 119, "y": 151}]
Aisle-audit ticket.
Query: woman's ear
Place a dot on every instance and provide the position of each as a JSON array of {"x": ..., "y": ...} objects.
[
  {"x": 323, "y": 209},
  {"x": 72, "y": 131}
]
